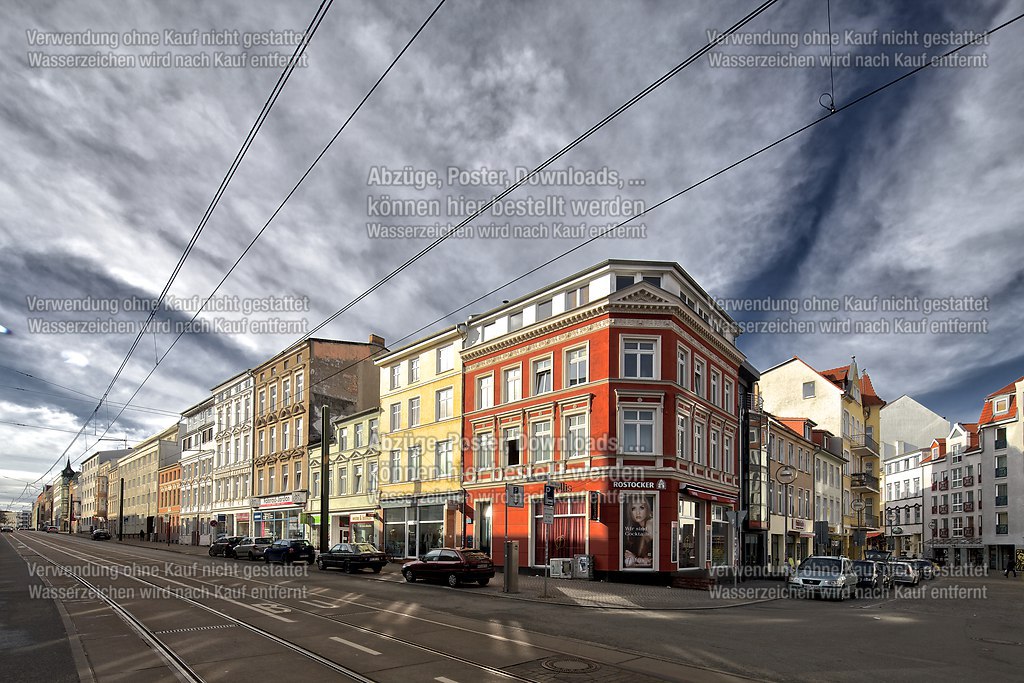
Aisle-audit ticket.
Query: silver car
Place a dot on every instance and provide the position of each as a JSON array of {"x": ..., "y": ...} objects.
[
  {"x": 905, "y": 572},
  {"x": 252, "y": 547},
  {"x": 831, "y": 577}
]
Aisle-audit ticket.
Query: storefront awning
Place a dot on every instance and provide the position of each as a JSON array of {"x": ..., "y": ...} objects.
[
  {"x": 806, "y": 534},
  {"x": 872, "y": 534},
  {"x": 705, "y": 494}
]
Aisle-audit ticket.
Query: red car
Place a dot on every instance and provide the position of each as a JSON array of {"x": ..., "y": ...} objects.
[{"x": 451, "y": 566}]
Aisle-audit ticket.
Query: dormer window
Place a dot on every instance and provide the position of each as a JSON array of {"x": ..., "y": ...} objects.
[{"x": 1002, "y": 405}]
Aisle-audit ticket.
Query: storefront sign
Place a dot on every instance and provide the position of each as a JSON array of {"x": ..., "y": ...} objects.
[
  {"x": 284, "y": 500},
  {"x": 658, "y": 485},
  {"x": 242, "y": 517},
  {"x": 361, "y": 517}
]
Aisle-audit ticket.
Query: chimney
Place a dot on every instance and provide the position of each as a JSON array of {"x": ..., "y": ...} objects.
[{"x": 377, "y": 339}]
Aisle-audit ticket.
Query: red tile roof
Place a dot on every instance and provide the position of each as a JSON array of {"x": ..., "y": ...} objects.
[
  {"x": 987, "y": 413},
  {"x": 1008, "y": 389},
  {"x": 868, "y": 396},
  {"x": 836, "y": 375}
]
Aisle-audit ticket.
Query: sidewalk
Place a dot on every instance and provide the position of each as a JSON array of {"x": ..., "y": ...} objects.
[{"x": 569, "y": 592}]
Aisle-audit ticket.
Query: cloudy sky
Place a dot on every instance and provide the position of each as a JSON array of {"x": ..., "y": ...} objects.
[{"x": 107, "y": 169}]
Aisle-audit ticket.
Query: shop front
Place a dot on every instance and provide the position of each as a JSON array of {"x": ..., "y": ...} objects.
[
  {"x": 280, "y": 516},
  {"x": 413, "y": 525},
  {"x": 358, "y": 526}
]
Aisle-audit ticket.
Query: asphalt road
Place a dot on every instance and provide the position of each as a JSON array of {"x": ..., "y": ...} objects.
[{"x": 229, "y": 619}]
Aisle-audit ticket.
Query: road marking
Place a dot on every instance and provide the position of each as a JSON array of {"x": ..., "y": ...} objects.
[
  {"x": 318, "y": 603},
  {"x": 355, "y": 645},
  {"x": 442, "y": 679}
]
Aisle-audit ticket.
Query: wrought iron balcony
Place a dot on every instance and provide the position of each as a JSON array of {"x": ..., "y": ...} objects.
[
  {"x": 862, "y": 444},
  {"x": 943, "y": 533},
  {"x": 943, "y": 484},
  {"x": 968, "y": 480},
  {"x": 969, "y": 532},
  {"x": 1002, "y": 529},
  {"x": 935, "y": 509},
  {"x": 1000, "y": 472},
  {"x": 943, "y": 509},
  {"x": 968, "y": 507},
  {"x": 1000, "y": 444},
  {"x": 865, "y": 521},
  {"x": 863, "y": 480}
]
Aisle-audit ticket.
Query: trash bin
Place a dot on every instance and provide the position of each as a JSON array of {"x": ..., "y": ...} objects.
[{"x": 583, "y": 566}]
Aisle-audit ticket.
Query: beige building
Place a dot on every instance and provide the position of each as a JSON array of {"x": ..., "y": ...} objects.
[
  {"x": 138, "y": 470},
  {"x": 92, "y": 487}
]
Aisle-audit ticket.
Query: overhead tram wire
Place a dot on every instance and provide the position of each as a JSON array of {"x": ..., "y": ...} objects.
[
  {"x": 266, "y": 225},
  {"x": 978, "y": 39},
  {"x": 267, "y": 106},
  {"x": 90, "y": 399}
]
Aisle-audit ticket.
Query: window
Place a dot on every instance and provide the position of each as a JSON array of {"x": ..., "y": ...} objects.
[
  {"x": 637, "y": 431},
  {"x": 809, "y": 389},
  {"x": 300, "y": 387},
  {"x": 286, "y": 388},
  {"x": 414, "y": 370},
  {"x": 359, "y": 435},
  {"x": 576, "y": 367},
  {"x": 262, "y": 442},
  {"x": 284, "y": 436},
  {"x": 396, "y": 465},
  {"x": 716, "y": 456},
  {"x": 542, "y": 376},
  {"x": 958, "y": 477},
  {"x": 515, "y": 321},
  {"x": 273, "y": 398},
  {"x": 512, "y": 379},
  {"x": 374, "y": 431},
  {"x": 446, "y": 358},
  {"x": 443, "y": 454},
  {"x": 682, "y": 363},
  {"x": 485, "y": 392},
  {"x": 541, "y": 446},
  {"x": 485, "y": 450},
  {"x": 273, "y": 439},
  {"x": 623, "y": 281},
  {"x": 513, "y": 446},
  {"x": 270, "y": 481},
  {"x": 639, "y": 358},
  {"x": 396, "y": 376},
  {"x": 284, "y": 477},
  {"x": 577, "y": 297},
  {"x": 728, "y": 457},
  {"x": 396, "y": 417},
  {"x": 682, "y": 436},
  {"x": 727, "y": 395},
  {"x": 698, "y": 443},
  {"x": 263, "y": 402},
  {"x": 715, "y": 381},
  {"x": 544, "y": 310},
  {"x": 414, "y": 411},
  {"x": 576, "y": 436},
  {"x": 414, "y": 463},
  {"x": 357, "y": 479},
  {"x": 698, "y": 378},
  {"x": 343, "y": 439},
  {"x": 444, "y": 405},
  {"x": 652, "y": 280}
]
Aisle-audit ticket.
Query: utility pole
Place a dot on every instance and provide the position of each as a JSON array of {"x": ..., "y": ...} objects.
[{"x": 325, "y": 447}]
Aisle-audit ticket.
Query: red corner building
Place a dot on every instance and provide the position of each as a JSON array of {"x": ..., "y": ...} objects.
[{"x": 620, "y": 385}]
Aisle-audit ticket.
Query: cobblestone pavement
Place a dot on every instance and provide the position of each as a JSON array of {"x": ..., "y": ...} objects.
[{"x": 578, "y": 593}]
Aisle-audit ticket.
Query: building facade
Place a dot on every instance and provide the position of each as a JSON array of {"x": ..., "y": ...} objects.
[
  {"x": 198, "y": 457},
  {"x": 138, "y": 469},
  {"x": 290, "y": 391},
  {"x": 232, "y": 466},
  {"x": 619, "y": 386},
  {"x": 93, "y": 484},
  {"x": 421, "y": 398},
  {"x": 169, "y": 503},
  {"x": 1001, "y": 440}
]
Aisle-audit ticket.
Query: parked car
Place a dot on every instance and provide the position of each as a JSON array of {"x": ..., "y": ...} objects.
[
  {"x": 451, "y": 566},
  {"x": 870, "y": 574},
  {"x": 24, "y": 528},
  {"x": 100, "y": 535},
  {"x": 252, "y": 547},
  {"x": 225, "y": 546},
  {"x": 289, "y": 550},
  {"x": 352, "y": 557},
  {"x": 904, "y": 572},
  {"x": 825, "y": 576},
  {"x": 925, "y": 568},
  {"x": 52, "y": 529},
  {"x": 7, "y": 527}
]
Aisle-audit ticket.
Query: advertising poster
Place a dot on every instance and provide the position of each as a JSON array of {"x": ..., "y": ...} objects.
[{"x": 639, "y": 530}]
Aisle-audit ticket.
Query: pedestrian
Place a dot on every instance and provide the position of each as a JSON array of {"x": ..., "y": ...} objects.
[{"x": 1011, "y": 566}]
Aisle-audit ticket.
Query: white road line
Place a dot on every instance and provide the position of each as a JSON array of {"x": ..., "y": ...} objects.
[
  {"x": 443, "y": 679},
  {"x": 355, "y": 645},
  {"x": 317, "y": 603}
]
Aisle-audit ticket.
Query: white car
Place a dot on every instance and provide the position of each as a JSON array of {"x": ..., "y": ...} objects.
[{"x": 831, "y": 577}]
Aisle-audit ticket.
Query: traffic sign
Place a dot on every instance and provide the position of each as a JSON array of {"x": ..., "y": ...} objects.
[
  {"x": 515, "y": 495},
  {"x": 857, "y": 505},
  {"x": 549, "y": 514},
  {"x": 257, "y": 516},
  {"x": 549, "y": 495}
]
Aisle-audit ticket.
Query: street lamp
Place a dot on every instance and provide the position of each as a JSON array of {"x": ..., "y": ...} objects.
[
  {"x": 785, "y": 476},
  {"x": 858, "y": 505}
]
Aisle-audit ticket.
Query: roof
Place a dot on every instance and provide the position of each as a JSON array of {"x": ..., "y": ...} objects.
[
  {"x": 988, "y": 415},
  {"x": 868, "y": 396},
  {"x": 1008, "y": 389},
  {"x": 836, "y": 375}
]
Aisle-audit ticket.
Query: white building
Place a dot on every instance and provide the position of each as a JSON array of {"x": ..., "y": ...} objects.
[
  {"x": 953, "y": 515},
  {"x": 197, "y": 460},
  {"x": 92, "y": 489},
  {"x": 232, "y": 468},
  {"x": 1001, "y": 439}
]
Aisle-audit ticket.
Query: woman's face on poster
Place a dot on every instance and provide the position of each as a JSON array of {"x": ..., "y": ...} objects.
[{"x": 640, "y": 511}]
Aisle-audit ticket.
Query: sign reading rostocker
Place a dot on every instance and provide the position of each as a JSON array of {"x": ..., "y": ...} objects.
[{"x": 648, "y": 485}]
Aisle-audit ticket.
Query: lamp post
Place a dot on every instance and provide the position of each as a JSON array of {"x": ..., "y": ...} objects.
[
  {"x": 858, "y": 505},
  {"x": 785, "y": 476}
]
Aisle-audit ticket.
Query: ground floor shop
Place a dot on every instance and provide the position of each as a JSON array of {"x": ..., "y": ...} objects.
[
  {"x": 280, "y": 516},
  {"x": 641, "y": 526},
  {"x": 414, "y": 525},
  {"x": 351, "y": 526},
  {"x": 233, "y": 522},
  {"x": 1000, "y": 555}
]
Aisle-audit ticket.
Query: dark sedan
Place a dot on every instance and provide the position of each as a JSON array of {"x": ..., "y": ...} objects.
[
  {"x": 870, "y": 575},
  {"x": 101, "y": 535},
  {"x": 352, "y": 557},
  {"x": 451, "y": 566},
  {"x": 225, "y": 546},
  {"x": 289, "y": 550}
]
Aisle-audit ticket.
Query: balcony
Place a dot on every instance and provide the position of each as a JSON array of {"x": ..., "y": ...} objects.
[
  {"x": 1002, "y": 529},
  {"x": 1000, "y": 472},
  {"x": 968, "y": 480},
  {"x": 862, "y": 444},
  {"x": 935, "y": 509},
  {"x": 943, "y": 509},
  {"x": 943, "y": 533},
  {"x": 1001, "y": 501},
  {"x": 863, "y": 480},
  {"x": 1000, "y": 444},
  {"x": 968, "y": 532},
  {"x": 968, "y": 507},
  {"x": 944, "y": 484},
  {"x": 865, "y": 521}
]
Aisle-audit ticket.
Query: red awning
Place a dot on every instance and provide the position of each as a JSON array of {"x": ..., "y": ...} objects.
[
  {"x": 806, "y": 534},
  {"x": 872, "y": 534},
  {"x": 708, "y": 495}
]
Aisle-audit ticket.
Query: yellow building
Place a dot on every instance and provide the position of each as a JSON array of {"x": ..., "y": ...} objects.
[
  {"x": 421, "y": 445},
  {"x": 353, "y": 482},
  {"x": 138, "y": 470},
  {"x": 843, "y": 401}
]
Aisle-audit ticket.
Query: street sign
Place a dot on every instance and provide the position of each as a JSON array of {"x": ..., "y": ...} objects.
[
  {"x": 857, "y": 505},
  {"x": 515, "y": 495},
  {"x": 257, "y": 516},
  {"x": 785, "y": 475},
  {"x": 549, "y": 514},
  {"x": 549, "y": 495}
]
